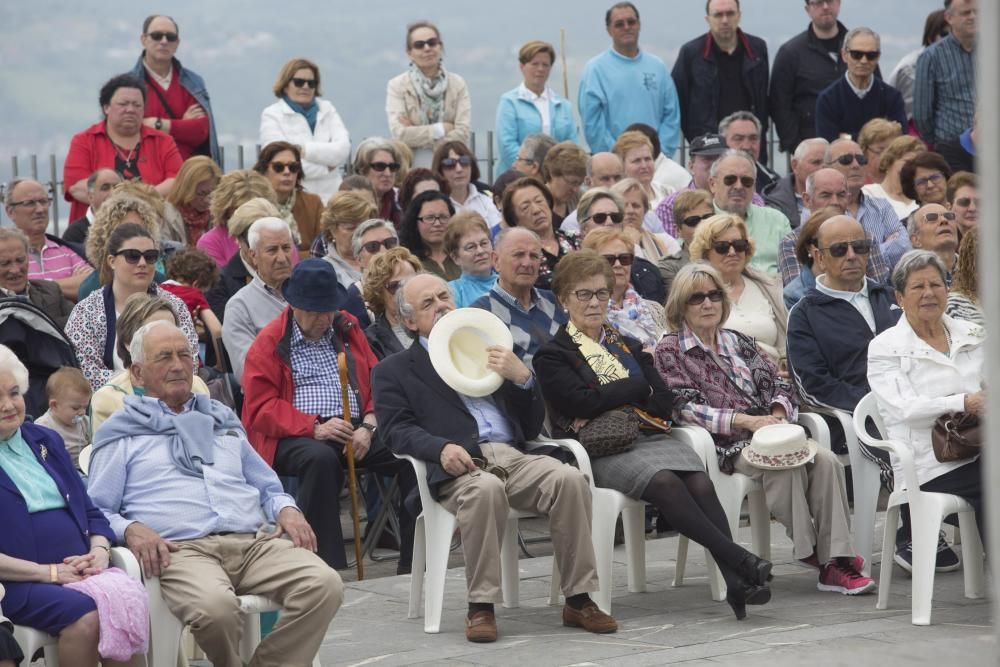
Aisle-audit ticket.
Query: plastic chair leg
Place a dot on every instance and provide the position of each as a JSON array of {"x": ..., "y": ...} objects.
[
  {"x": 682, "y": 556},
  {"x": 925, "y": 526},
  {"x": 438, "y": 547},
  {"x": 972, "y": 556},
  {"x": 888, "y": 549},
  {"x": 603, "y": 534},
  {"x": 419, "y": 565},
  {"x": 865, "y": 480},
  {"x": 509, "y": 573},
  {"x": 555, "y": 587},
  {"x": 760, "y": 524},
  {"x": 251, "y": 636},
  {"x": 633, "y": 522}
]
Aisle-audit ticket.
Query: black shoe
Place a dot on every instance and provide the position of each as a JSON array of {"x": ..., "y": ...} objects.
[
  {"x": 755, "y": 570},
  {"x": 747, "y": 594},
  {"x": 404, "y": 569}
]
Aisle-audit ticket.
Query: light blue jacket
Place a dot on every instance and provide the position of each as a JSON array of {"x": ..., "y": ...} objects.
[{"x": 517, "y": 117}]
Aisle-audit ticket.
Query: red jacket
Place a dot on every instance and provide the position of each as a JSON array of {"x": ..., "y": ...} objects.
[{"x": 269, "y": 413}]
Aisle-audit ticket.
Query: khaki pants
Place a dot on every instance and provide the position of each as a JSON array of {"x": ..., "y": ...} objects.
[
  {"x": 541, "y": 484},
  {"x": 205, "y": 576},
  {"x": 811, "y": 503}
]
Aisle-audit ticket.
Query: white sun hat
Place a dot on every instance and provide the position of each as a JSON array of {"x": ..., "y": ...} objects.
[
  {"x": 457, "y": 347},
  {"x": 780, "y": 446}
]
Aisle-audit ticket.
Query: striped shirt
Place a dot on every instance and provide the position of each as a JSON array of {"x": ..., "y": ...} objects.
[
  {"x": 944, "y": 94},
  {"x": 530, "y": 328},
  {"x": 54, "y": 262}
]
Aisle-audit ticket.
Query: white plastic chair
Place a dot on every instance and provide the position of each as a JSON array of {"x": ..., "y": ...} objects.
[
  {"x": 83, "y": 460},
  {"x": 31, "y": 640},
  {"x": 927, "y": 511}
]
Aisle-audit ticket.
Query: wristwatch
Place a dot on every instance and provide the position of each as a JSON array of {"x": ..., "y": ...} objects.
[
  {"x": 158, "y": 124},
  {"x": 369, "y": 427}
]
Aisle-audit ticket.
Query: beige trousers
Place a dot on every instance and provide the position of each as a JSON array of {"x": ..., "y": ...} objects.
[
  {"x": 811, "y": 503},
  {"x": 542, "y": 484},
  {"x": 205, "y": 576}
]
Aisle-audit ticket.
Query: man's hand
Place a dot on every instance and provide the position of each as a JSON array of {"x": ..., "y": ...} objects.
[
  {"x": 362, "y": 442},
  {"x": 456, "y": 460},
  {"x": 335, "y": 429},
  {"x": 194, "y": 111},
  {"x": 291, "y": 522},
  {"x": 505, "y": 362},
  {"x": 152, "y": 550}
]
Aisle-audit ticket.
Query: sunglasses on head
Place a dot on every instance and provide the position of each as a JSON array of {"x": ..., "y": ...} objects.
[
  {"x": 382, "y": 166},
  {"x": 451, "y": 163},
  {"x": 625, "y": 258},
  {"x": 602, "y": 218},
  {"x": 303, "y": 83},
  {"x": 715, "y": 296},
  {"x": 933, "y": 217},
  {"x": 860, "y": 247},
  {"x": 852, "y": 157},
  {"x": 159, "y": 36},
  {"x": 371, "y": 247},
  {"x": 693, "y": 220},
  {"x": 870, "y": 56},
  {"x": 280, "y": 167},
  {"x": 723, "y": 247},
  {"x": 745, "y": 181},
  {"x": 421, "y": 43},
  {"x": 133, "y": 256}
]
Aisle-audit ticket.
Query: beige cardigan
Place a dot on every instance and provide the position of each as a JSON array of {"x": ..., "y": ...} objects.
[{"x": 402, "y": 99}]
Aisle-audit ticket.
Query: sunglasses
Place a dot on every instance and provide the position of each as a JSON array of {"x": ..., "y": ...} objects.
[
  {"x": 625, "y": 22},
  {"x": 133, "y": 256},
  {"x": 860, "y": 247},
  {"x": 870, "y": 56},
  {"x": 696, "y": 299},
  {"x": 723, "y": 247},
  {"x": 160, "y": 36},
  {"x": 693, "y": 220},
  {"x": 280, "y": 167},
  {"x": 371, "y": 247},
  {"x": 602, "y": 218},
  {"x": 482, "y": 464},
  {"x": 303, "y": 83},
  {"x": 933, "y": 217},
  {"x": 421, "y": 43},
  {"x": 585, "y": 295},
  {"x": 625, "y": 259},
  {"x": 393, "y": 287},
  {"x": 745, "y": 181},
  {"x": 964, "y": 202},
  {"x": 853, "y": 157},
  {"x": 451, "y": 163},
  {"x": 382, "y": 166}
]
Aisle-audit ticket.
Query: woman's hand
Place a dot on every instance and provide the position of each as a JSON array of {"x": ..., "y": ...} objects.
[
  {"x": 753, "y": 423},
  {"x": 975, "y": 403},
  {"x": 65, "y": 573}
]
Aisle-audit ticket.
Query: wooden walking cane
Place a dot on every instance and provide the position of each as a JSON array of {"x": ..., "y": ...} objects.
[{"x": 352, "y": 480}]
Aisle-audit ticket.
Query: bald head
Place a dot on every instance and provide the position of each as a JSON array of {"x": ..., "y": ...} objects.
[
  {"x": 604, "y": 170},
  {"x": 933, "y": 227},
  {"x": 422, "y": 301},
  {"x": 841, "y": 253}
]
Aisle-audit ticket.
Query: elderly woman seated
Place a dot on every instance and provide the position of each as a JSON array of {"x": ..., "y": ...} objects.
[
  {"x": 54, "y": 540},
  {"x": 690, "y": 208},
  {"x": 467, "y": 241},
  {"x": 928, "y": 365},
  {"x": 723, "y": 383},
  {"x": 588, "y": 372},
  {"x": 758, "y": 307},
  {"x": 386, "y": 272},
  {"x": 529, "y": 203}
]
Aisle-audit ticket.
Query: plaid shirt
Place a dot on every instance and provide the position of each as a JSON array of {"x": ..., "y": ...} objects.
[
  {"x": 316, "y": 377},
  {"x": 54, "y": 262}
]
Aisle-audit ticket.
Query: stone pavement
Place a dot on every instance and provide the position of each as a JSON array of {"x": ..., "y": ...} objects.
[{"x": 667, "y": 625}]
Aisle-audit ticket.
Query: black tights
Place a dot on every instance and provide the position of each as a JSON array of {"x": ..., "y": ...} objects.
[{"x": 687, "y": 499}]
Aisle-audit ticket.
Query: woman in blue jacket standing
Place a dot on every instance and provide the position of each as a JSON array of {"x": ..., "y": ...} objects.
[{"x": 532, "y": 106}]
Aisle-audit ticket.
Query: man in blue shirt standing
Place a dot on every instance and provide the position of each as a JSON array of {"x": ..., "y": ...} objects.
[{"x": 624, "y": 86}]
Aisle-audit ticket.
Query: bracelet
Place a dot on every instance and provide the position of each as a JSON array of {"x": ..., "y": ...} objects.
[
  {"x": 101, "y": 546},
  {"x": 54, "y": 573}
]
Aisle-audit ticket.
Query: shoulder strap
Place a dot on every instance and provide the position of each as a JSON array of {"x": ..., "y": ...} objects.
[{"x": 163, "y": 99}]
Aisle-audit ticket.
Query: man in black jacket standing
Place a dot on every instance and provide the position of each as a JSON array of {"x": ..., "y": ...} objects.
[{"x": 722, "y": 71}]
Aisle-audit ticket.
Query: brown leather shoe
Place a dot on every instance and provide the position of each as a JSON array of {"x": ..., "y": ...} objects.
[
  {"x": 481, "y": 627},
  {"x": 590, "y": 618}
]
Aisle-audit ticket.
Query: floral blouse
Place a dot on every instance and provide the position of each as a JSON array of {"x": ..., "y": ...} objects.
[{"x": 567, "y": 243}]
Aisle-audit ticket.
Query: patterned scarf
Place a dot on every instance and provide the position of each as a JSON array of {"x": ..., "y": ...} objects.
[
  {"x": 605, "y": 365},
  {"x": 285, "y": 213},
  {"x": 632, "y": 317},
  {"x": 431, "y": 93}
]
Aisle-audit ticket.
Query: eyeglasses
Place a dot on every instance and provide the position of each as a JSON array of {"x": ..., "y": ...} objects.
[
  {"x": 696, "y": 299},
  {"x": 936, "y": 177},
  {"x": 485, "y": 244},
  {"x": 382, "y": 166},
  {"x": 625, "y": 258},
  {"x": 723, "y": 247},
  {"x": 585, "y": 295},
  {"x": 525, "y": 160},
  {"x": 852, "y": 157},
  {"x": 482, "y": 464},
  {"x": 371, "y": 247},
  {"x": 303, "y": 83},
  {"x": 451, "y": 163},
  {"x": 745, "y": 181},
  {"x": 870, "y": 56},
  {"x": 133, "y": 256},
  {"x": 693, "y": 220},
  {"x": 967, "y": 201},
  {"x": 421, "y": 43},
  {"x": 933, "y": 217},
  {"x": 31, "y": 203},
  {"x": 159, "y": 36},
  {"x": 434, "y": 219},
  {"x": 393, "y": 286},
  {"x": 602, "y": 218},
  {"x": 860, "y": 247},
  {"x": 625, "y": 22},
  {"x": 280, "y": 167}
]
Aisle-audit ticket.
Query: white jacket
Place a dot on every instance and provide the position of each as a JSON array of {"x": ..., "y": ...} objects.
[
  {"x": 915, "y": 384},
  {"x": 326, "y": 149}
]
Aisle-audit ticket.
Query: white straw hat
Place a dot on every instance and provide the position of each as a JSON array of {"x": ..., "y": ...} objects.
[
  {"x": 780, "y": 446},
  {"x": 457, "y": 348}
]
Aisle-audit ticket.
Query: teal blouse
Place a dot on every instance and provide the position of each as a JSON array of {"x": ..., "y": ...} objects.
[{"x": 37, "y": 487}]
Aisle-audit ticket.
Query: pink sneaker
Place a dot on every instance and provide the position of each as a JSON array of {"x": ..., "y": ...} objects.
[
  {"x": 858, "y": 563},
  {"x": 844, "y": 578}
]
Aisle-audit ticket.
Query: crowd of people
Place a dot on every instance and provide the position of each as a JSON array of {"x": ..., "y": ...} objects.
[{"x": 239, "y": 334}]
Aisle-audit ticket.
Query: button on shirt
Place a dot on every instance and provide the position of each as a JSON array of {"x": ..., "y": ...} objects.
[
  {"x": 541, "y": 103},
  {"x": 316, "y": 377},
  {"x": 859, "y": 300},
  {"x": 37, "y": 487}
]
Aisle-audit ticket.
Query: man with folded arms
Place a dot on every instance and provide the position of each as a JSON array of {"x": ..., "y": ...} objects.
[{"x": 477, "y": 467}]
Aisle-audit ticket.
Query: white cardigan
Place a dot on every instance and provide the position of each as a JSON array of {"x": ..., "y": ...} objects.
[
  {"x": 326, "y": 149},
  {"x": 915, "y": 384}
]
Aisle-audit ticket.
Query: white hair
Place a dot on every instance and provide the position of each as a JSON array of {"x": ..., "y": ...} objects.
[
  {"x": 11, "y": 364},
  {"x": 807, "y": 144},
  {"x": 367, "y": 226},
  {"x": 266, "y": 225},
  {"x": 136, "y": 348},
  {"x": 854, "y": 32},
  {"x": 732, "y": 152}
]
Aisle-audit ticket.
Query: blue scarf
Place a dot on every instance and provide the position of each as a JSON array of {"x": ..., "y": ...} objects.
[{"x": 308, "y": 112}]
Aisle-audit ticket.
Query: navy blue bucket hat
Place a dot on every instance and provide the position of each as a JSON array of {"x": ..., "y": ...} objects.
[{"x": 313, "y": 286}]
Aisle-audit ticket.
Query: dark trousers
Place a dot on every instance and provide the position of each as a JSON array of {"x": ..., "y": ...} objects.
[
  {"x": 321, "y": 469},
  {"x": 966, "y": 483}
]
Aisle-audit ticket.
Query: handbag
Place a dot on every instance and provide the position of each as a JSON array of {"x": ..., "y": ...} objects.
[
  {"x": 956, "y": 436},
  {"x": 613, "y": 432}
]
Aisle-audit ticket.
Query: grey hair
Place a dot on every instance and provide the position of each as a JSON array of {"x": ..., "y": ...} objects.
[
  {"x": 403, "y": 307},
  {"x": 504, "y": 233},
  {"x": 9, "y": 199},
  {"x": 136, "y": 348},
  {"x": 367, "y": 226},
  {"x": 92, "y": 179},
  {"x": 861, "y": 30},
  {"x": 735, "y": 116},
  {"x": 806, "y": 144},
  {"x": 731, "y": 152},
  {"x": 14, "y": 234},
  {"x": 367, "y": 149},
  {"x": 811, "y": 183},
  {"x": 828, "y": 155},
  {"x": 537, "y": 145},
  {"x": 10, "y": 363},
  {"x": 266, "y": 225},
  {"x": 591, "y": 197},
  {"x": 915, "y": 260}
]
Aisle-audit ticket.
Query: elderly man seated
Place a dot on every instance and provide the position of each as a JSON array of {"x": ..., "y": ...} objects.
[
  {"x": 294, "y": 407},
  {"x": 182, "y": 487},
  {"x": 476, "y": 464},
  {"x": 45, "y": 294}
]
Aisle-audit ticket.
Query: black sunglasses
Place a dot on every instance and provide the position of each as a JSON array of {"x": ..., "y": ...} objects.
[
  {"x": 160, "y": 36},
  {"x": 723, "y": 247},
  {"x": 371, "y": 247},
  {"x": 851, "y": 157},
  {"x": 870, "y": 56},
  {"x": 133, "y": 256},
  {"x": 745, "y": 181},
  {"x": 602, "y": 218},
  {"x": 421, "y": 43},
  {"x": 451, "y": 163},
  {"x": 860, "y": 247},
  {"x": 280, "y": 167},
  {"x": 715, "y": 296},
  {"x": 303, "y": 83},
  {"x": 625, "y": 258},
  {"x": 693, "y": 220},
  {"x": 382, "y": 166}
]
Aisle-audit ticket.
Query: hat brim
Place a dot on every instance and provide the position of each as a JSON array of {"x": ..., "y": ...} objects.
[
  {"x": 328, "y": 302},
  {"x": 783, "y": 462},
  {"x": 456, "y": 355}
]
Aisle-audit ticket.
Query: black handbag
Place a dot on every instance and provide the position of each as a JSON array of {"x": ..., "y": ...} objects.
[
  {"x": 613, "y": 432},
  {"x": 956, "y": 436}
]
